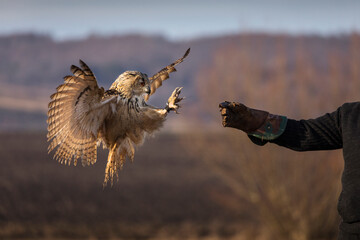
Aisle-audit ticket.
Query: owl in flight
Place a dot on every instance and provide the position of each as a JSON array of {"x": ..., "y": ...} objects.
[{"x": 82, "y": 115}]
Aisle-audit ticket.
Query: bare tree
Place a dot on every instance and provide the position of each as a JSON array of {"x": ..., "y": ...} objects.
[{"x": 272, "y": 185}]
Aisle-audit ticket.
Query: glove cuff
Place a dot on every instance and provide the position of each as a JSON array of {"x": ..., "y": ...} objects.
[{"x": 271, "y": 129}]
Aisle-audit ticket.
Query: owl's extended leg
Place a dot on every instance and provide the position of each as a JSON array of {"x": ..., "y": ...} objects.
[
  {"x": 154, "y": 118},
  {"x": 171, "y": 105}
]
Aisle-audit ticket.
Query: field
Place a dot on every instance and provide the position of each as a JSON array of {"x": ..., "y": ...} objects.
[{"x": 164, "y": 192}]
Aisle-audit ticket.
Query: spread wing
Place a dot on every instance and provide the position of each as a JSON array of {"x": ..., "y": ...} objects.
[
  {"x": 163, "y": 74},
  {"x": 76, "y": 111}
]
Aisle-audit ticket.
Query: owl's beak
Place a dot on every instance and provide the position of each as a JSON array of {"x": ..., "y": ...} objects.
[{"x": 148, "y": 90}]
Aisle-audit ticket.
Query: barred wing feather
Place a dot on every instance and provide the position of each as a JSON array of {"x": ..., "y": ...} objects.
[
  {"x": 76, "y": 112},
  {"x": 157, "y": 80}
]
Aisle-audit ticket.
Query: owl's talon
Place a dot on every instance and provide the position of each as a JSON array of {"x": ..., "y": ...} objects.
[{"x": 174, "y": 99}]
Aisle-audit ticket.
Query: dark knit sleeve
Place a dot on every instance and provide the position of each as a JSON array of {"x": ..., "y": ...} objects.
[{"x": 323, "y": 133}]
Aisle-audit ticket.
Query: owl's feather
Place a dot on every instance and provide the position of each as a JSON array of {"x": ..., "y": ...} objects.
[
  {"x": 75, "y": 115},
  {"x": 81, "y": 115},
  {"x": 157, "y": 79}
]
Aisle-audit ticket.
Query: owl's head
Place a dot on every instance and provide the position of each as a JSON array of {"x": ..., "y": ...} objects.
[{"x": 132, "y": 83}]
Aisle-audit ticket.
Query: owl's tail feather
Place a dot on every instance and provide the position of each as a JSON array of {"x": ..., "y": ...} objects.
[{"x": 116, "y": 159}]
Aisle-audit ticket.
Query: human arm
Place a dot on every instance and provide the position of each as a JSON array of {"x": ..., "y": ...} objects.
[{"x": 322, "y": 133}]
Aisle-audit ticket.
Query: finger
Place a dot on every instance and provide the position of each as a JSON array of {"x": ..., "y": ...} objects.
[
  {"x": 237, "y": 107},
  {"x": 233, "y": 105},
  {"x": 224, "y": 104},
  {"x": 224, "y": 112},
  {"x": 225, "y": 121}
]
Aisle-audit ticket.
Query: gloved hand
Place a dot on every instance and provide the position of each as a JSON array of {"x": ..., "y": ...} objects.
[{"x": 237, "y": 115}]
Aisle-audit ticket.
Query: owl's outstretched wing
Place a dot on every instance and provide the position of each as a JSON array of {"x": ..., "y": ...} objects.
[
  {"x": 76, "y": 111},
  {"x": 163, "y": 74}
]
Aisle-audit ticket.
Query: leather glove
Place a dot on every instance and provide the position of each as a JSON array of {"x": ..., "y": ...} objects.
[
  {"x": 237, "y": 115},
  {"x": 256, "y": 123}
]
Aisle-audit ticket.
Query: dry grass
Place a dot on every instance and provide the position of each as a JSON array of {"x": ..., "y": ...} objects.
[
  {"x": 164, "y": 194},
  {"x": 157, "y": 196},
  {"x": 287, "y": 195}
]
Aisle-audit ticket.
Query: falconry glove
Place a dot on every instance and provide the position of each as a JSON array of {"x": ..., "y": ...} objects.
[{"x": 256, "y": 123}]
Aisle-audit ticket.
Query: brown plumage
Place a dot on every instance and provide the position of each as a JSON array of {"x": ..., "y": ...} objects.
[{"x": 82, "y": 115}]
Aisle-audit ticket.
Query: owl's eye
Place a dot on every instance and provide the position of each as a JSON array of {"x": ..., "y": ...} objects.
[{"x": 142, "y": 84}]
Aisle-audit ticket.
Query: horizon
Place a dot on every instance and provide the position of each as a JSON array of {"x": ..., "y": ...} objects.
[{"x": 168, "y": 39}]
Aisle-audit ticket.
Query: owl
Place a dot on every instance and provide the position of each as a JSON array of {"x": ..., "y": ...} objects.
[{"x": 82, "y": 116}]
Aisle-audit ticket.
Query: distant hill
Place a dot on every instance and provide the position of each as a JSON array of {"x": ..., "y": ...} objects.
[{"x": 31, "y": 66}]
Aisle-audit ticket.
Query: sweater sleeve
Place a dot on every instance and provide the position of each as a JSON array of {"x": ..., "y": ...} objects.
[{"x": 323, "y": 133}]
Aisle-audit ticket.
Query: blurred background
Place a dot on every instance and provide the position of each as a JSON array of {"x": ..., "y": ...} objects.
[{"x": 193, "y": 179}]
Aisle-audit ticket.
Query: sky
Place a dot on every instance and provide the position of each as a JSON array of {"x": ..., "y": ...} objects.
[{"x": 178, "y": 20}]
